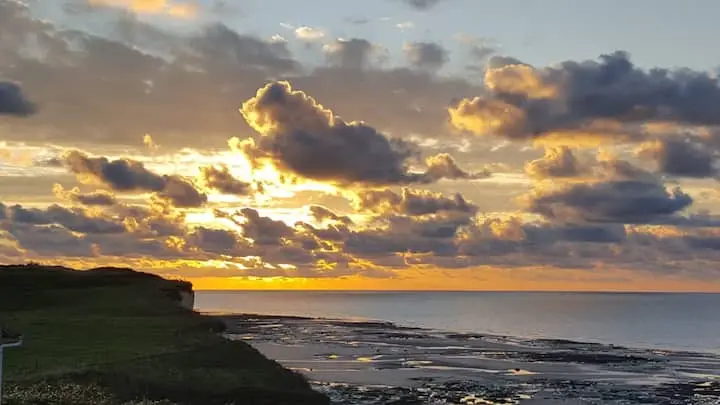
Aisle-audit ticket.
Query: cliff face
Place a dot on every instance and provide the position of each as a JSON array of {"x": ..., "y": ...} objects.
[{"x": 187, "y": 300}]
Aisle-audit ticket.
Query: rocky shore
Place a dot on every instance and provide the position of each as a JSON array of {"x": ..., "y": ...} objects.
[{"x": 381, "y": 363}]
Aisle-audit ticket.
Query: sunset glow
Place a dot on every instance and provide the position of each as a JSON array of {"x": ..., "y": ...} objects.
[{"x": 193, "y": 143}]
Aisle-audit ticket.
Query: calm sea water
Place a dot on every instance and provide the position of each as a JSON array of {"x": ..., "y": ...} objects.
[{"x": 663, "y": 321}]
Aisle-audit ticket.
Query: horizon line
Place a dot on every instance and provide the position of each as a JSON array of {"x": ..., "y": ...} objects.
[{"x": 465, "y": 291}]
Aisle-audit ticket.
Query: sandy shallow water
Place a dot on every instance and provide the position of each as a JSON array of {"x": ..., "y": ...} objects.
[{"x": 382, "y": 363}]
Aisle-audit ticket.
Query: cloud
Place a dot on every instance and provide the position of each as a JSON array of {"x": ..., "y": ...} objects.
[
  {"x": 390, "y": 243},
  {"x": 426, "y": 55},
  {"x": 354, "y": 53},
  {"x": 323, "y": 214},
  {"x": 443, "y": 166},
  {"x": 503, "y": 236},
  {"x": 119, "y": 175},
  {"x": 128, "y": 82},
  {"x": 220, "y": 50},
  {"x": 218, "y": 241},
  {"x": 220, "y": 179},
  {"x": 182, "y": 193},
  {"x": 13, "y": 102},
  {"x": 609, "y": 167},
  {"x": 402, "y": 26},
  {"x": 309, "y": 34},
  {"x": 99, "y": 198},
  {"x": 75, "y": 220},
  {"x": 480, "y": 49},
  {"x": 621, "y": 201},
  {"x": 302, "y": 137},
  {"x": 523, "y": 102},
  {"x": 101, "y": 232},
  {"x": 126, "y": 175},
  {"x": 261, "y": 230},
  {"x": 558, "y": 161},
  {"x": 179, "y": 9},
  {"x": 421, "y": 4},
  {"x": 147, "y": 68},
  {"x": 681, "y": 157},
  {"x": 411, "y": 202}
]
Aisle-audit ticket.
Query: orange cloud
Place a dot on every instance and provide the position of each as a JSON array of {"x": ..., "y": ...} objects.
[
  {"x": 167, "y": 7},
  {"x": 519, "y": 79}
]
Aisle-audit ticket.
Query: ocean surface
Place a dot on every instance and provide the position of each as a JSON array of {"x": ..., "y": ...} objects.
[{"x": 679, "y": 322}]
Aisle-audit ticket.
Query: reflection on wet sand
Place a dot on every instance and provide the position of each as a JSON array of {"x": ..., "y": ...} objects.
[{"x": 382, "y": 363}]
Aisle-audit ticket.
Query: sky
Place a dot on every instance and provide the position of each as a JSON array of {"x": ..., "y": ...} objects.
[{"x": 383, "y": 144}]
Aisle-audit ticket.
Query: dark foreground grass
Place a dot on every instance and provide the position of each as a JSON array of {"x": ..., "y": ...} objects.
[{"x": 111, "y": 336}]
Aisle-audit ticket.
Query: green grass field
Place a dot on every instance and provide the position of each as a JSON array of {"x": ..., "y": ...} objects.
[{"x": 112, "y": 336}]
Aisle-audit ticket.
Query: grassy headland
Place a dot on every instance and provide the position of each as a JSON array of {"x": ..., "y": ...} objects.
[{"x": 116, "y": 336}]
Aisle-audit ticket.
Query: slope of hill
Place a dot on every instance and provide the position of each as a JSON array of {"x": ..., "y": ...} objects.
[{"x": 116, "y": 336}]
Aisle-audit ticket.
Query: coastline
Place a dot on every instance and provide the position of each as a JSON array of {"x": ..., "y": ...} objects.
[
  {"x": 685, "y": 322},
  {"x": 375, "y": 362}
]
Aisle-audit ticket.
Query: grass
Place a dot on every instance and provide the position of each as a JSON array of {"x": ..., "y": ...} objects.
[{"x": 111, "y": 336}]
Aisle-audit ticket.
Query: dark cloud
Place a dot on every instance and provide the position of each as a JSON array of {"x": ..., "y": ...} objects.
[
  {"x": 500, "y": 61},
  {"x": 576, "y": 233},
  {"x": 220, "y": 50},
  {"x": 302, "y": 137},
  {"x": 621, "y": 201},
  {"x": 503, "y": 236},
  {"x": 218, "y": 241},
  {"x": 123, "y": 231},
  {"x": 262, "y": 230},
  {"x": 411, "y": 202},
  {"x": 115, "y": 231},
  {"x": 322, "y": 214},
  {"x": 75, "y": 220},
  {"x": 395, "y": 235},
  {"x": 181, "y": 193},
  {"x": 523, "y": 102},
  {"x": 613, "y": 168},
  {"x": 156, "y": 221},
  {"x": 50, "y": 240},
  {"x": 126, "y": 175},
  {"x": 682, "y": 157},
  {"x": 97, "y": 198},
  {"x": 220, "y": 178},
  {"x": 354, "y": 53},
  {"x": 119, "y": 175},
  {"x": 13, "y": 102},
  {"x": 421, "y": 4},
  {"x": 426, "y": 55}
]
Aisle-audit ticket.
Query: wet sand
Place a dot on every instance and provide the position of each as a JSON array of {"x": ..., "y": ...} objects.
[{"x": 383, "y": 363}]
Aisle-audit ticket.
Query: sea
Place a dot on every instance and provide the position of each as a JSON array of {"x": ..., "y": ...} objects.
[{"x": 664, "y": 321}]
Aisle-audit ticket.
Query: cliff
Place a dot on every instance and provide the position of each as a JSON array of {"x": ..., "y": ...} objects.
[{"x": 116, "y": 336}]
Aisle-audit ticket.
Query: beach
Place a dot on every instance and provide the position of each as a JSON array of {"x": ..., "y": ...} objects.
[{"x": 370, "y": 362}]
